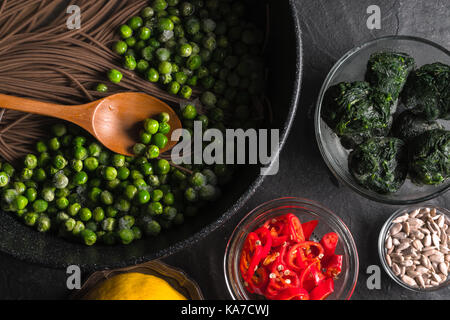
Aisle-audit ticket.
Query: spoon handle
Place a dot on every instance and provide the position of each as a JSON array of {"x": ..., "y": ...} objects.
[{"x": 77, "y": 114}]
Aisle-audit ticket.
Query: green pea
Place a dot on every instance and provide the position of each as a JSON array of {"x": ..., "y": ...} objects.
[
  {"x": 54, "y": 144},
  {"x": 155, "y": 209},
  {"x": 62, "y": 203},
  {"x": 153, "y": 181},
  {"x": 80, "y": 178},
  {"x": 144, "y": 33},
  {"x": 186, "y": 92},
  {"x": 31, "y": 218},
  {"x": 157, "y": 195},
  {"x": 62, "y": 217},
  {"x": 91, "y": 164},
  {"x": 107, "y": 198},
  {"x": 109, "y": 173},
  {"x": 165, "y": 67},
  {"x": 118, "y": 160},
  {"x": 126, "y": 236},
  {"x": 164, "y": 128},
  {"x": 169, "y": 199},
  {"x": 4, "y": 179},
  {"x": 164, "y": 117},
  {"x": 74, "y": 209},
  {"x": 160, "y": 140},
  {"x": 143, "y": 197},
  {"x": 31, "y": 161},
  {"x": 40, "y": 206},
  {"x": 120, "y": 47},
  {"x": 21, "y": 202},
  {"x": 78, "y": 228},
  {"x": 153, "y": 75},
  {"x": 89, "y": 237},
  {"x": 129, "y": 63},
  {"x": 130, "y": 192},
  {"x": 30, "y": 194},
  {"x": 194, "y": 62},
  {"x": 152, "y": 152},
  {"x": 169, "y": 213},
  {"x": 135, "y": 22},
  {"x": 185, "y": 50},
  {"x": 191, "y": 195},
  {"x": 173, "y": 87},
  {"x": 137, "y": 232},
  {"x": 125, "y": 31},
  {"x": 147, "y": 12},
  {"x": 111, "y": 212},
  {"x": 189, "y": 112},
  {"x": 41, "y": 147},
  {"x": 152, "y": 228},
  {"x": 98, "y": 214},
  {"x": 115, "y": 76},
  {"x": 60, "y": 181},
  {"x": 94, "y": 194},
  {"x": 85, "y": 214},
  {"x": 180, "y": 77},
  {"x": 102, "y": 88},
  {"x": 151, "y": 126},
  {"x": 123, "y": 173},
  {"x": 123, "y": 205}
]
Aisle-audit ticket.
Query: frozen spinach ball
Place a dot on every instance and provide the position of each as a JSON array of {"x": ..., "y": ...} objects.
[
  {"x": 429, "y": 157},
  {"x": 380, "y": 164}
]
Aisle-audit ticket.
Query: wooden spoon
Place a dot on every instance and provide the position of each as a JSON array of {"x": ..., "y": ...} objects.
[{"x": 115, "y": 121}]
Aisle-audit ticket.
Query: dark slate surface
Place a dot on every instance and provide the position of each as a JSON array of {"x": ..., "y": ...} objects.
[{"x": 330, "y": 29}]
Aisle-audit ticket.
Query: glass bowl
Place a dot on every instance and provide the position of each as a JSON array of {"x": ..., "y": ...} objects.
[
  {"x": 382, "y": 251},
  {"x": 305, "y": 210},
  {"x": 352, "y": 67}
]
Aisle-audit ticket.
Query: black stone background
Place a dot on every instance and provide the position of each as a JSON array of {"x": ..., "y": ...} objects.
[{"x": 330, "y": 28}]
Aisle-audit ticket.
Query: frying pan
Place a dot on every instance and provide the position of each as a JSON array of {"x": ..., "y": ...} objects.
[{"x": 284, "y": 60}]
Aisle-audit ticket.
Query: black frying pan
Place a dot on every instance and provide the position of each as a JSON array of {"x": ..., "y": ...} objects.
[{"x": 285, "y": 64}]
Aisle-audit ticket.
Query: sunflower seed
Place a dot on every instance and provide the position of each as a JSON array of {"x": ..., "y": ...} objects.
[
  {"x": 396, "y": 228},
  {"x": 388, "y": 244},
  {"x": 420, "y": 282},
  {"x": 443, "y": 268},
  {"x": 400, "y": 235},
  {"x": 389, "y": 260},
  {"x": 402, "y": 218},
  {"x": 396, "y": 269},
  {"x": 437, "y": 258},
  {"x": 436, "y": 240},
  {"x": 427, "y": 241},
  {"x": 417, "y": 244},
  {"x": 409, "y": 281}
]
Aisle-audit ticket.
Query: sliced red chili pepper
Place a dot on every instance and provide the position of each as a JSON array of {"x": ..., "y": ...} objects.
[
  {"x": 249, "y": 251},
  {"x": 323, "y": 290},
  {"x": 308, "y": 251},
  {"x": 333, "y": 266},
  {"x": 295, "y": 258},
  {"x": 264, "y": 244},
  {"x": 293, "y": 294},
  {"x": 281, "y": 278},
  {"x": 278, "y": 230},
  {"x": 308, "y": 228},
  {"x": 308, "y": 277},
  {"x": 329, "y": 243},
  {"x": 266, "y": 240},
  {"x": 295, "y": 229},
  {"x": 259, "y": 281}
]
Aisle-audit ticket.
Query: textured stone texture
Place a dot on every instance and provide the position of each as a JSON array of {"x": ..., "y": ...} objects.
[{"x": 330, "y": 28}]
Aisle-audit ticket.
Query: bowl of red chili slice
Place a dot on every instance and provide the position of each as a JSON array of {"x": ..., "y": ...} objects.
[{"x": 291, "y": 249}]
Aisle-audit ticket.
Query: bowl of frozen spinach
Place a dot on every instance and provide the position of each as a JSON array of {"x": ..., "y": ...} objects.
[{"x": 382, "y": 120}]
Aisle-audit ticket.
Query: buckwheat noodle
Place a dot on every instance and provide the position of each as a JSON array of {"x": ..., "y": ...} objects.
[{"x": 40, "y": 58}]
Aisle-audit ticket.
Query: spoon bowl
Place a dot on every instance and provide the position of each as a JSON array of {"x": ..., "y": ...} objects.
[{"x": 114, "y": 121}]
